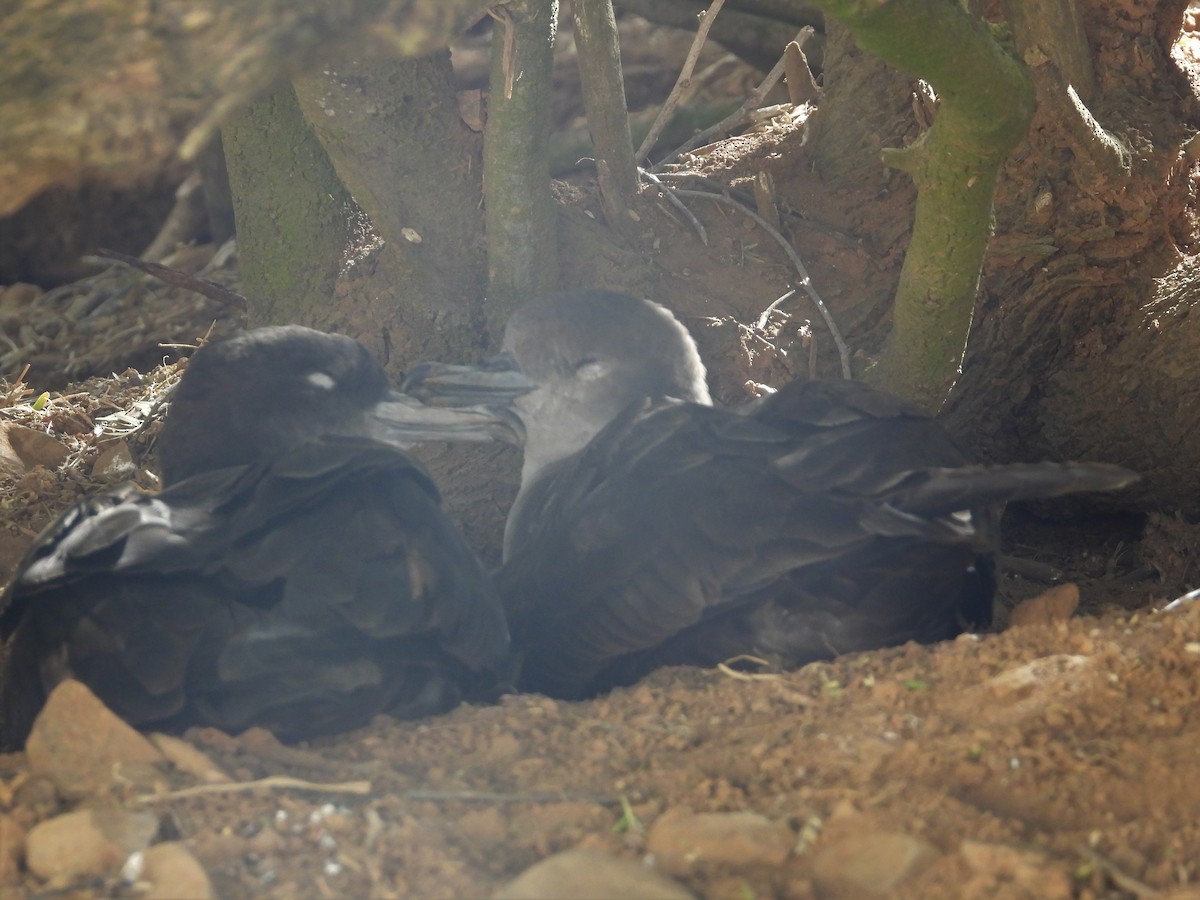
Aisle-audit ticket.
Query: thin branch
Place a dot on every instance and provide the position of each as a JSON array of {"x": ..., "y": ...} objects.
[
  {"x": 599, "y": 57},
  {"x": 744, "y": 111},
  {"x": 793, "y": 217},
  {"x": 804, "y": 281},
  {"x": 272, "y": 782},
  {"x": 179, "y": 278},
  {"x": 669, "y": 193},
  {"x": 495, "y": 797},
  {"x": 681, "y": 83}
]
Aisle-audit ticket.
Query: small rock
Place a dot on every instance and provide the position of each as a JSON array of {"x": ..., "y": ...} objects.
[
  {"x": 23, "y": 448},
  {"x": 12, "y": 847},
  {"x": 86, "y": 842},
  {"x": 584, "y": 872},
  {"x": 115, "y": 463},
  {"x": 997, "y": 864},
  {"x": 867, "y": 863},
  {"x": 1055, "y": 605},
  {"x": 187, "y": 758},
  {"x": 174, "y": 874},
  {"x": 1041, "y": 676},
  {"x": 82, "y": 747},
  {"x": 680, "y": 838}
]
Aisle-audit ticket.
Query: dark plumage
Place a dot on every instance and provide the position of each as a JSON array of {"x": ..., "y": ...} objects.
[
  {"x": 296, "y": 572},
  {"x": 654, "y": 528}
]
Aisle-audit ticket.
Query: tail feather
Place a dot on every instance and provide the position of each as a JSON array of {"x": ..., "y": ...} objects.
[{"x": 938, "y": 492}]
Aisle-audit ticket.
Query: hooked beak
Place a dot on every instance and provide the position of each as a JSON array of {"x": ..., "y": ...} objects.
[
  {"x": 495, "y": 380},
  {"x": 405, "y": 420}
]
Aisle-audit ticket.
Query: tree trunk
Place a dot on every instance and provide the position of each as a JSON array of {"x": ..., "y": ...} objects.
[
  {"x": 521, "y": 218},
  {"x": 394, "y": 134},
  {"x": 1083, "y": 345},
  {"x": 292, "y": 212},
  {"x": 1076, "y": 351}
]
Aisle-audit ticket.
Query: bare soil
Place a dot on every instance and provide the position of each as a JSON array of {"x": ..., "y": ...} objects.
[{"x": 1050, "y": 759}]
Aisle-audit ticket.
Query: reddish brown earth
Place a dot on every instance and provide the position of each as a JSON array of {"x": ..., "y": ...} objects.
[{"x": 1050, "y": 759}]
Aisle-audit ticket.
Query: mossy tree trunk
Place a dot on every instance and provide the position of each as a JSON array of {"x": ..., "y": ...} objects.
[
  {"x": 1082, "y": 343},
  {"x": 291, "y": 209},
  {"x": 986, "y": 103},
  {"x": 394, "y": 134},
  {"x": 521, "y": 216}
]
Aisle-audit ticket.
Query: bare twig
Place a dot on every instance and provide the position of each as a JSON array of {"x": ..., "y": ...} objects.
[
  {"x": 793, "y": 217},
  {"x": 804, "y": 281},
  {"x": 681, "y": 83},
  {"x": 502, "y": 15},
  {"x": 726, "y": 668},
  {"x": 599, "y": 56},
  {"x": 786, "y": 688},
  {"x": 669, "y": 193},
  {"x": 272, "y": 782},
  {"x": 177, "y": 278},
  {"x": 495, "y": 797},
  {"x": 743, "y": 112},
  {"x": 765, "y": 318}
]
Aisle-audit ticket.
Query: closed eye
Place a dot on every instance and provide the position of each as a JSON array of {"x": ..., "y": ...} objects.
[
  {"x": 591, "y": 368},
  {"x": 322, "y": 380}
]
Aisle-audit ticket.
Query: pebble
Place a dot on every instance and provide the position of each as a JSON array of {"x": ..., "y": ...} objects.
[
  {"x": 82, "y": 747},
  {"x": 679, "y": 839},
  {"x": 172, "y": 873},
  {"x": 999, "y": 864},
  {"x": 593, "y": 873},
  {"x": 114, "y": 463},
  {"x": 86, "y": 842},
  {"x": 23, "y": 448},
  {"x": 863, "y": 863},
  {"x": 1057, "y": 604}
]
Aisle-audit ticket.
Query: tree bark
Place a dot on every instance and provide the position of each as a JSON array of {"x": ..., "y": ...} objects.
[
  {"x": 986, "y": 104},
  {"x": 1083, "y": 343},
  {"x": 394, "y": 134},
  {"x": 604, "y": 99},
  {"x": 521, "y": 234},
  {"x": 1086, "y": 338},
  {"x": 292, "y": 212}
]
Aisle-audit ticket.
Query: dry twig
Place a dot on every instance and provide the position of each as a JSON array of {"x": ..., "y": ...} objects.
[
  {"x": 271, "y": 782},
  {"x": 177, "y": 278},
  {"x": 681, "y": 83},
  {"x": 669, "y": 193},
  {"x": 804, "y": 280},
  {"x": 743, "y": 112}
]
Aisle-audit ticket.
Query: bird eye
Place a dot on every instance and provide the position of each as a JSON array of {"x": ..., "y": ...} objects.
[
  {"x": 322, "y": 380},
  {"x": 590, "y": 368}
]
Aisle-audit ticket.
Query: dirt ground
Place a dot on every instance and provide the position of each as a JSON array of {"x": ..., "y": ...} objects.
[{"x": 1053, "y": 758}]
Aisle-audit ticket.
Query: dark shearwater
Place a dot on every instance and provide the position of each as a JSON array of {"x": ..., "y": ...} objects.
[
  {"x": 296, "y": 572},
  {"x": 653, "y": 528}
]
